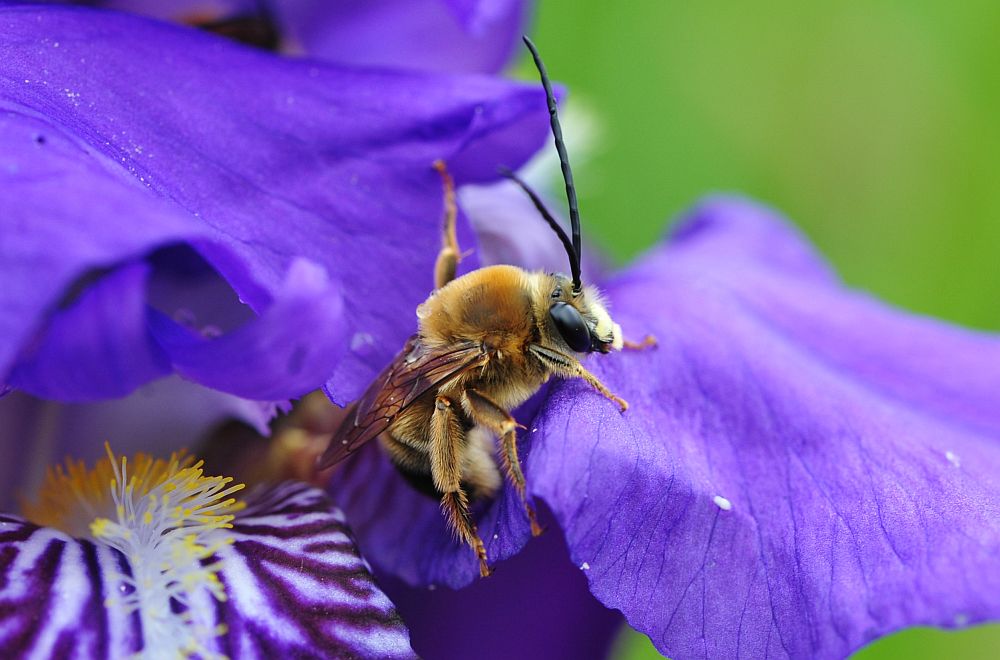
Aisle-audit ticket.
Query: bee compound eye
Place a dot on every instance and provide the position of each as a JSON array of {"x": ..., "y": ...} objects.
[{"x": 571, "y": 326}]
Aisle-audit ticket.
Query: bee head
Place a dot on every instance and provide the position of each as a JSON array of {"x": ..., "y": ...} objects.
[{"x": 581, "y": 319}]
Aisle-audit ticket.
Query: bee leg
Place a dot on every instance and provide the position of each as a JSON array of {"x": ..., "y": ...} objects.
[
  {"x": 649, "y": 341},
  {"x": 569, "y": 367},
  {"x": 447, "y": 440},
  {"x": 488, "y": 413},
  {"x": 449, "y": 256}
]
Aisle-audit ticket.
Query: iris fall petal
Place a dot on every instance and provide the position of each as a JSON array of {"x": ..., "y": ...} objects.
[
  {"x": 462, "y": 36},
  {"x": 294, "y": 586},
  {"x": 802, "y": 468}
]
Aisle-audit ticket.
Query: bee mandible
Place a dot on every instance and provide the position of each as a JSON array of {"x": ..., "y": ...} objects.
[{"x": 486, "y": 341}]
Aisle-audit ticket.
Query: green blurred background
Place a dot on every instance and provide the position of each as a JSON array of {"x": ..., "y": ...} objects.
[{"x": 873, "y": 125}]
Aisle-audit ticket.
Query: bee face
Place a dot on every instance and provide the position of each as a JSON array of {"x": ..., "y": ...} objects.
[{"x": 580, "y": 318}]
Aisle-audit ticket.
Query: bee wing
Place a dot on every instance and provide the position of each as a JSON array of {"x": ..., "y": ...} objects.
[{"x": 413, "y": 371}]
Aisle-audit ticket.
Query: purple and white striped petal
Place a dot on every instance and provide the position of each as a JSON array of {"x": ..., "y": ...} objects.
[
  {"x": 52, "y": 593},
  {"x": 294, "y": 582},
  {"x": 297, "y": 586}
]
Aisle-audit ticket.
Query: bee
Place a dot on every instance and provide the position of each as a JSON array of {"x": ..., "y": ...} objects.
[{"x": 486, "y": 341}]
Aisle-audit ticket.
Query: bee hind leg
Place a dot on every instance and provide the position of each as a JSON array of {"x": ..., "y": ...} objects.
[
  {"x": 449, "y": 256},
  {"x": 447, "y": 440},
  {"x": 488, "y": 413}
]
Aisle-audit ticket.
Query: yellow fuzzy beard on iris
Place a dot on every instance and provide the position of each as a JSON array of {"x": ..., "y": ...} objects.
[{"x": 167, "y": 517}]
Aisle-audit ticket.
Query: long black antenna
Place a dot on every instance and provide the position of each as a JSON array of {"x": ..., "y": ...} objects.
[
  {"x": 574, "y": 212},
  {"x": 574, "y": 261}
]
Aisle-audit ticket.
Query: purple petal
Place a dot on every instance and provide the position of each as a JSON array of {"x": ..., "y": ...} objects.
[
  {"x": 403, "y": 533},
  {"x": 294, "y": 584},
  {"x": 461, "y": 36},
  {"x": 111, "y": 150},
  {"x": 802, "y": 468},
  {"x": 98, "y": 347},
  {"x": 538, "y": 595},
  {"x": 510, "y": 230},
  {"x": 182, "y": 10},
  {"x": 269, "y": 356}
]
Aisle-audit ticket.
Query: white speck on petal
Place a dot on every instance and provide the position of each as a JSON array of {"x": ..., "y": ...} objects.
[
  {"x": 961, "y": 619},
  {"x": 722, "y": 503},
  {"x": 361, "y": 339},
  {"x": 953, "y": 458},
  {"x": 584, "y": 566}
]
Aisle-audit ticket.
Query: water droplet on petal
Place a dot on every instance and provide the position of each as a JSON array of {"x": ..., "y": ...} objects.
[
  {"x": 953, "y": 458},
  {"x": 722, "y": 503}
]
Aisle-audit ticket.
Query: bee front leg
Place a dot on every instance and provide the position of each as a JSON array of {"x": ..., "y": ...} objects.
[
  {"x": 649, "y": 341},
  {"x": 569, "y": 367},
  {"x": 447, "y": 440},
  {"x": 486, "y": 412},
  {"x": 449, "y": 256}
]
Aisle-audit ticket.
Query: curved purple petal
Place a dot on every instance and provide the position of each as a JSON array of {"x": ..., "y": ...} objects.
[
  {"x": 295, "y": 586},
  {"x": 269, "y": 356},
  {"x": 121, "y": 136},
  {"x": 461, "y": 36},
  {"x": 534, "y": 606},
  {"x": 403, "y": 533},
  {"x": 98, "y": 346},
  {"x": 802, "y": 468}
]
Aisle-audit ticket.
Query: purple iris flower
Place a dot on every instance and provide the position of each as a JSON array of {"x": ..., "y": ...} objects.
[
  {"x": 802, "y": 469},
  {"x": 160, "y": 216}
]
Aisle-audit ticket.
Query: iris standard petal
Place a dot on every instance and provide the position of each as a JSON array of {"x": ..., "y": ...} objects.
[
  {"x": 182, "y": 10},
  {"x": 112, "y": 149},
  {"x": 96, "y": 347},
  {"x": 271, "y": 355},
  {"x": 802, "y": 468},
  {"x": 462, "y": 36}
]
